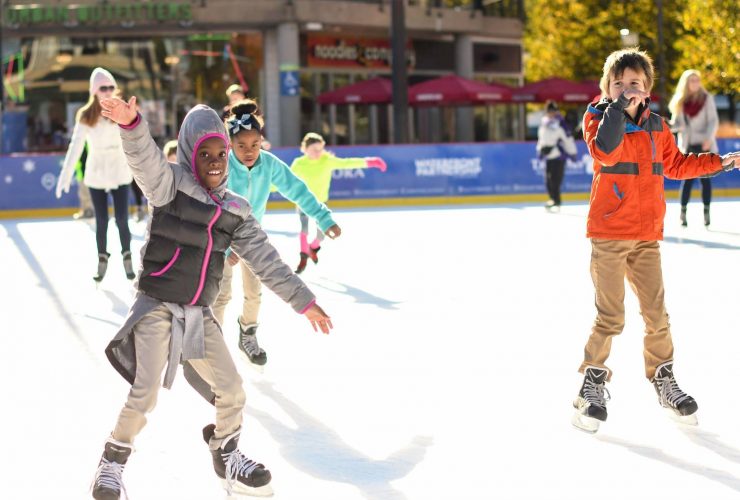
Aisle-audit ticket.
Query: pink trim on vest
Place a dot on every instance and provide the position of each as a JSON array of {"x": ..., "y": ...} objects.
[
  {"x": 169, "y": 264},
  {"x": 207, "y": 257}
]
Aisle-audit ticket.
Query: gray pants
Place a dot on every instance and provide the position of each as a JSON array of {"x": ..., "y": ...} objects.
[{"x": 152, "y": 339}]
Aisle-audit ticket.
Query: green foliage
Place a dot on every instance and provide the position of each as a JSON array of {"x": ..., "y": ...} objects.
[
  {"x": 572, "y": 39},
  {"x": 710, "y": 43}
]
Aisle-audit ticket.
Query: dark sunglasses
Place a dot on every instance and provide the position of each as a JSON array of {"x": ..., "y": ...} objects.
[{"x": 107, "y": 88}]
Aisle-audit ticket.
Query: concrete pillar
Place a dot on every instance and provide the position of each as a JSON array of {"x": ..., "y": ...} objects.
[
  {"x": 290, "y": 105},
  {"x": 271, "y": 87},
  {"x": 464, "y": 68}
]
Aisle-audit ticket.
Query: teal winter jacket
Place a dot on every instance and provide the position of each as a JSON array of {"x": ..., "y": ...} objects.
[{"x": 254, "y": 184}]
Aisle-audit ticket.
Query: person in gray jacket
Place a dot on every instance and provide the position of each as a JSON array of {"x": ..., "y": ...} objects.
[
  {"x": 194, "y": 220},
  {"x": 694, "y": 118}
]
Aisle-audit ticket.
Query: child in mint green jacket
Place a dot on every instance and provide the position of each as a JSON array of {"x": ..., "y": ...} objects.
[
  {"x": 252, "y": 172},
  {"x": 315, "y": 167}
]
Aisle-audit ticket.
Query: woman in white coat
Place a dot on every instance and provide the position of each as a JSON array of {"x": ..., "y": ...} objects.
[
  {"x": 106, "y": 170},
  {"x": 694, "y": 117}
]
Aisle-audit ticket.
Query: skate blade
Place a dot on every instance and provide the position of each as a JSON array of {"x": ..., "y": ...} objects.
[
  {"x": 683, "y": 419},
  {"x": 585, "y": 423},
  {"x": 258, "y": 368},
  {"x": 239, "y": 489}
]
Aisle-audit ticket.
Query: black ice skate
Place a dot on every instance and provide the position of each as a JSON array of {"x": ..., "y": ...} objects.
[
  {"x": 590, "y": 404},
  {"x": 102, "y": 266},
  {"x": 314, "y": 254},
  {"x": 107, "y": 484},
  {"x": 249, "y": 347},
  {"x": 682, "y": 407},
  {"x": 684, "y": 223},
  {"x": 302, "y": 264},
  {"x": 128, "y": 266},
  {"x": 707, "y": 220},
  {"x": 238, "y": 473}
]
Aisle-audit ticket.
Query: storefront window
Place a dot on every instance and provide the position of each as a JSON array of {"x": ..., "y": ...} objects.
[{"x": 49, "y": 80}]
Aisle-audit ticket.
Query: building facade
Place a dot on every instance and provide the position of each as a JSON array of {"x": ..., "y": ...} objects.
[{"x": 173, "y": 54}]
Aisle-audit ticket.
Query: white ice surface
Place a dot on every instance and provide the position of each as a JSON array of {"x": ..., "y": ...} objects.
[{"x": 449, "y": 375}]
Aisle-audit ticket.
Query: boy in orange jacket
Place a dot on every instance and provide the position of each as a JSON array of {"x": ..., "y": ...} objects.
[{"x": 632, "y": 149}]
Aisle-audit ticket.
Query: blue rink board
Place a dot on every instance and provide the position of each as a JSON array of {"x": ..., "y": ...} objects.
[{"x": 28, "y": 182}]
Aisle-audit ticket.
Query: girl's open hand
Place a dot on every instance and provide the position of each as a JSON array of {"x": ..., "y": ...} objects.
[
  {"x": 118, "y": 110},
  {"x": 318, "y": 318}
]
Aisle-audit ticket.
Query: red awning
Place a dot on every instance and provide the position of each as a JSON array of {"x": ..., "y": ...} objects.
[
  {"x": 453, "y": 89},
  {"x": 556, "y": 89},
  {"x": 372, "y": 91}
]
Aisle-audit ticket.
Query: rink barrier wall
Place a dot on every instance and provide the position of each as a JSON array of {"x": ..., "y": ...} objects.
[{"x": 418, "y": 175}]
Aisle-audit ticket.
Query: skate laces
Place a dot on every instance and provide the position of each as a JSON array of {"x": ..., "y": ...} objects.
[
  {"x": 237, "y": 465},
  {"x": 108, "y": 476},
  {"x": 595, "y": 394},
  {"x": 670, "y": 392},
  {"x": 250, "y": 343}
]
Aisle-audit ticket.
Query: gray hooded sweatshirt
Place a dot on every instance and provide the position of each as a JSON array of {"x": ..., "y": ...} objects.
[{"x": 189, "y": 231}]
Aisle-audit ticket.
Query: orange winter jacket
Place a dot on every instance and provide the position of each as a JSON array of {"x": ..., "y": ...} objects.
[{"x": 630, "y": 160}]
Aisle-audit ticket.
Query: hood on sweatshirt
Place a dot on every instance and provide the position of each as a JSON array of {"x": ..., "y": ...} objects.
[{"x": 201, "y": 123}]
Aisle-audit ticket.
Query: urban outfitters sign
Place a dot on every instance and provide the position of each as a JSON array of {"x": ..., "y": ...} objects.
[{"x": 35, "y": 14}]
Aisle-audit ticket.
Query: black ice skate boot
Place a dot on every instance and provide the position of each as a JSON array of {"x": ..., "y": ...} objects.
[
  {"x": 249, "y": 347},
  {"x": 128, "y": 266},
  {"x": 107, "y": 484},
  {"x": 590, "y": 404},
  {"x": 683, "y": 216},
  {"x": 238, "y": 473},
  {"x": 302, "y": 264},
  {"x": 102, "y": 266},
  {"x": 314, "y": 254},
  {"x": 682, "y": 406},
  {"x": 706, "y": 215}
]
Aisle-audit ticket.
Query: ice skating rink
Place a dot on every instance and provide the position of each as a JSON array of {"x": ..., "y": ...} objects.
[{"x": 449, "y": 375}]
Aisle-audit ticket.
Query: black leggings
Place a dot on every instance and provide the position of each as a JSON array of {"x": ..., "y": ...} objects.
[
  {"x": 554, "y": 172},
  {"x": 120, "y": 208},
  {"x": 706, "y": 184}
]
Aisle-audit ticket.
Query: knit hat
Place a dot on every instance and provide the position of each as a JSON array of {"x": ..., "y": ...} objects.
[{"x": 101, "y": 77}]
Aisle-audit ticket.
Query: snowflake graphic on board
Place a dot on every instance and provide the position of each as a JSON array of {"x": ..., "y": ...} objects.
[{"x": 29, "y": 166}]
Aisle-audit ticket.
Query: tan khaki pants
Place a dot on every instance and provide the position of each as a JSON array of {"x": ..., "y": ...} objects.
[
  {"x": 252, "y": 295},
  {"x": 152, "y": 340},
  {"x": 639, "y": 262}
]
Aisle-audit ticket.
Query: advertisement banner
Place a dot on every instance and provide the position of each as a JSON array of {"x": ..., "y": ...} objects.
[{"x": 27, "y": 182}]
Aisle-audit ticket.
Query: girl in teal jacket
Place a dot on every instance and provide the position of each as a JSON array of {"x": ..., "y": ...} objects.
[
  {"x": 315, "y": 168},
  {"x": 252, "y": 172}
]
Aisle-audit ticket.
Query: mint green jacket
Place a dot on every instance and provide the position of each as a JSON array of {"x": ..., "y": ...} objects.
[{"x": 254, "y": 184}]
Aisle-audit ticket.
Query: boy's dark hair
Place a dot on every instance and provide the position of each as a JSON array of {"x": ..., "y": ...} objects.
[
  {"x": 551, "y": 107},
  {"x": 244, "y": 115},
  {"x": 619, "y": 60}
]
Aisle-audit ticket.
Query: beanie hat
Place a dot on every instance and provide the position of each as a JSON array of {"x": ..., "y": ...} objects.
[
  {"x": 101, "y": 77},
  {"x": 551, "y": 107}
]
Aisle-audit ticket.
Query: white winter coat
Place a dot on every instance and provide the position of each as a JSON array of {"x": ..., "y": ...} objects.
[
  {"x": 693, "y": 131},
  {"x": 106, "y": 167},
  {"x": 549, "y": 136}
]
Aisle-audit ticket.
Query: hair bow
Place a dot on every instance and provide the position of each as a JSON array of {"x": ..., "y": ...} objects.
[{"x": 246, "y": 122}]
